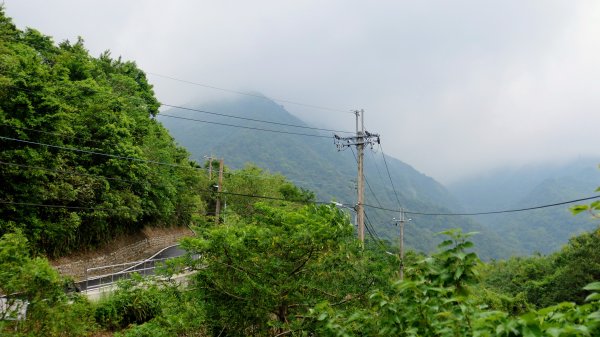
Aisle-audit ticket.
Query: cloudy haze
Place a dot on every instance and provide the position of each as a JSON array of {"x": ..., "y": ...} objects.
[{"x": 453, "y": 87}]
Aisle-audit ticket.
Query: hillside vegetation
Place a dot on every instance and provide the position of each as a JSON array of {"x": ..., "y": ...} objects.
[
  {"x": 80, "y": 146},
  {"x": 539, "y": 231},
  {"x": 315, "y": 164},
  {"x": 83, "y": 158}
]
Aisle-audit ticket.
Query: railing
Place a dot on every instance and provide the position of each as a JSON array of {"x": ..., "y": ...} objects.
[
  {"x": 124, "y": 271},
  {"x": 12, "y": 309}
]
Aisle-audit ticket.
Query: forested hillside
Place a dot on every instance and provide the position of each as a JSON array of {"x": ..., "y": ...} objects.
[
  {"x": 315, "y": 164},
  {"x": 81, "y": 148},
  {"x": 544, "y": 230},
  {"x": 83, "y": 158}
]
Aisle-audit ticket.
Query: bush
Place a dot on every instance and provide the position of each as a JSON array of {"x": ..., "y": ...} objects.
[{"x": 134, "y": 302}]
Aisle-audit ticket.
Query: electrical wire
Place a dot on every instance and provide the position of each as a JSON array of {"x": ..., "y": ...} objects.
[
  {"x": 251, "y": 119},
  {"x": 366, "y": 181},
  {"x": 50, "y": 133},
  {"x": 366, "y": 205},
  {"x": 247, "y": 127},
  {"x": 248, "y": 93},
  {"x": 377, "y": 168},
  {"x": 231, "y": 125},
  {"x": 132, "y": 158},
  {"x": 390, "y": 176},
  {"x": 93, "y": 152},
  {"x": 490, "y": 212},
  {"x": 203, "y": 190},
  {"x": 54, "y": 206},
  {"x": 373, "y": 234},
  {"x": 67, "y": 172}
]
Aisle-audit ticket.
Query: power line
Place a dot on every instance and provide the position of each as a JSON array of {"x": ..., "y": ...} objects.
[
  {"x": 248, "y": 93},
  {"x": 67, "y": 172},
  {"x": 390, "y": 176},
  {"x": 377, "y": 167},
  {"x": 204, "y": 190},
  {"x": 54, "y": 206},
  {"x": 50, "y": 133},
  {"x": 489, "y": 212},
  {"x": 373, "y": 233},
  {"x": 246, "y": 127},
  {"x": 252, "y": 119},
  {"x": 371, "y": 206},
  {"x": 366, "y": 181},
  {"x": 226, "y": 124},
  {"x": 135, "y": 159},
  {"x": 94, "y": 152}
]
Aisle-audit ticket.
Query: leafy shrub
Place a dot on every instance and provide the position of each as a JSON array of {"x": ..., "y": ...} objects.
[{"x": 134, "y": 302}]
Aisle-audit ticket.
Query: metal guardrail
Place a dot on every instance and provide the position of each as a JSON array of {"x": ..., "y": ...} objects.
[
  {"x": 125, "y": 270},
  {"x": 13, "y": 309}
]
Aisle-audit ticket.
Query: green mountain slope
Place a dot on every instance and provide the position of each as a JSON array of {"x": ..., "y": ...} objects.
[
  {"x": 314, "y": 163},
  {"x": 544, "y": 230}
]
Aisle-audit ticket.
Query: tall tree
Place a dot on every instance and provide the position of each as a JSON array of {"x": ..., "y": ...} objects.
[{"x": 81, "y": 147}]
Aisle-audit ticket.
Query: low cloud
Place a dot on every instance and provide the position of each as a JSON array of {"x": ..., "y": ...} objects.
[{"x": 454, "y": 88}]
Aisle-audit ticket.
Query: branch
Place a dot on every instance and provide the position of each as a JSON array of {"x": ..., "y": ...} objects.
[
  {"x": 301, "y": 264},
  {"x": 219, "y": 289},
  {"x": 353, "y": 298}
]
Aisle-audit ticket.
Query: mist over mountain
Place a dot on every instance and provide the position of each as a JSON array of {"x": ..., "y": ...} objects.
[
  {"x": 314, "y": 163},
  {"x": 543, "y": 230}
]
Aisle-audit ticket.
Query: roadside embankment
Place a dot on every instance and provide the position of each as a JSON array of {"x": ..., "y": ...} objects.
[{"x": 126, "y": 248}]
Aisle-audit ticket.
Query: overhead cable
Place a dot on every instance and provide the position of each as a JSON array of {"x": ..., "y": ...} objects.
[
  {"x": 390, "y": 176},
  {"x": 246, "y": 127},
  {"x": 490, "y": 212},
  {"x": 250, "y": 119}
]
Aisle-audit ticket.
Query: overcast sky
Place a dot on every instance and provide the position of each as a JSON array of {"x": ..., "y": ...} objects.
[{"x": 455, "y": 88}]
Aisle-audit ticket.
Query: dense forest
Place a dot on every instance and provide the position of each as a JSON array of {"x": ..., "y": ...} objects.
[{"x": 83, "y": 159}]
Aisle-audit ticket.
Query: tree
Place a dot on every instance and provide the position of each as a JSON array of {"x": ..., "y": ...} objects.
[
  {"x": 593, "y": 208},
  {"x": 262, "y": 274},
  {"x": 32, "y": 284},
  {"x": 434, "y": 302},
  {"x": 81, "y": 146}
]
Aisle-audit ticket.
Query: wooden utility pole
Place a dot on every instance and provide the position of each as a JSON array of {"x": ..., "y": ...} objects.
[
  {"x": 360, "y": 146},
  {"x": 401, "y": 221},
  {"x": 362, "y": 137},
  {"x": 219, "y": 189}
]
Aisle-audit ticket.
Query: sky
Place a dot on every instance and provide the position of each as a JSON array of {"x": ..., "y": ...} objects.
[{"x": 454, "y": 88}]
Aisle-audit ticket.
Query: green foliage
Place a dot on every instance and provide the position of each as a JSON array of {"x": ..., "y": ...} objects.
[
  {"x": 593, "y": 208},
  {"x": 61, "y": 96},
  {"x": 314, "y": 163},
  {"x": 549, "y": 280},
  {"x": 182, "y": 314},
  {"x": 32, "y": 280},
  {"x": 262, "y": 275},
  {"x": 427, "y": 304},
  {"x": 134, "y": 302}
]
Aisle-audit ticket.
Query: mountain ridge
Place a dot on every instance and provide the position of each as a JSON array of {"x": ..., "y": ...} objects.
[{"x": 315, "y": 164}]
